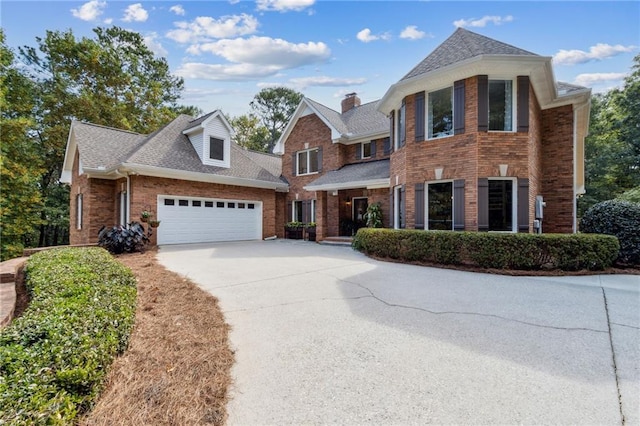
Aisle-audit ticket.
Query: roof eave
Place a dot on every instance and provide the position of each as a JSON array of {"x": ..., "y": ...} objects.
[
  {"x": 369, "y": 184},
  {"x": 350, "y": 139}
]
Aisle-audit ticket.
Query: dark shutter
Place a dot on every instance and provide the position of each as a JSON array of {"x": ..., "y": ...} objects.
[
  {"x": 483, "y": 103},
  {"x": 359, "y": 148},
  {"x": 387, "y": 146},
  {"x": 373, "y": 149},
  {"x": 420, "y": 117},
  {"x": 523, "y": 205},
  {"x": 403, "y": 208},
  {"x": 306, "y": 211},
  {"x": 483, "y": 204},
  {"x": 391, "y": 207},
  {"x": 320, "y": 159},
  {"x": 289, "y": 211},
  {"x": 458, "y": 107},
  {"x": 294, "y": 163},
  {"x": 523, "y": 103},
  {"x": 392, "y": 129},
  {"x": 419, "y": 197},
  {"x": 458, "y": 205}
]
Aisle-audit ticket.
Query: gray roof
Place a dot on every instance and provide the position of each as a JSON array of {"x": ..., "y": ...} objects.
[
  {"x": 361, "y": 120},
  {"x": 567, "y": 88},
  {"x": 359, "y": 172},
  {"x": 199, "y": 120},
  {"x": 168, "y": 148},
  {"x": 461, "y": 45}
]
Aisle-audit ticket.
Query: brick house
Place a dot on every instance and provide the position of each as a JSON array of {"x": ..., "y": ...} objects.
[
  {"x": 473, "y": 134},
  {"x": 467, "y": 140},
  {"x": 189, "y": 174}
]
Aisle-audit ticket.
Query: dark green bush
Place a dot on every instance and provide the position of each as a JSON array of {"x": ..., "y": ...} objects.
[
  {"x": 54, "y": 358},
  {"x": 620, "y": 218},
  {"x": 567, "y": 252}
]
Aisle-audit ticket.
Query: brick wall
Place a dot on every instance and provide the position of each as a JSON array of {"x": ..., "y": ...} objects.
[
  {"x": 535, "y": 154},
  {"x": 557, "y": 169}
]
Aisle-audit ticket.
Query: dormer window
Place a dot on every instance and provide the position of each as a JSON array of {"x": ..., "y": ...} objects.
[{"x": 216, "y": 149}]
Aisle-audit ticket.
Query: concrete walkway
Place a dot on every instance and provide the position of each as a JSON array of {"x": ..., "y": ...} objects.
[{"x": 326, "y": 335}]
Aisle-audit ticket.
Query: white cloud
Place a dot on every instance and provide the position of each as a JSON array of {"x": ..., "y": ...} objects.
[
  {"x": 412, "y": 32},
  {"x": 90, "y": 10},
  {"x": 152, "y": 42},
  {"x": 266, "y": 51},
  {"x": 199, "y": 94},
  {"x": 108, "y": 21},
  {"x": 205, "y": 28},
  {"x": 177, "y": 9},
  {"x": 591, "y": 79},
  {"x": 284, "y": 5},
  {"x": 365, "y": 36},
  {"x": 596, "y": 53},
  {"x": 482, "y": 22},
  {"x": 135, "y": 12},
  {"x": 324, "y": 81},
  {"x": 219, "y": 72}
]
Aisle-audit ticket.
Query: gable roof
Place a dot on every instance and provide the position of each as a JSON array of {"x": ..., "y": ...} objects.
[
  {"x": 360, "y": 122},
  {"x": 462, "y": 45},
  {"x": 107, "y": 152}
]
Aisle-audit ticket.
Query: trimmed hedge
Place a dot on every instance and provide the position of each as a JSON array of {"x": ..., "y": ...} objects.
[
  {"x": 569, "y": 252},
  {"x": 620, "y": 218},
  {"x": 54, "y": 358}
]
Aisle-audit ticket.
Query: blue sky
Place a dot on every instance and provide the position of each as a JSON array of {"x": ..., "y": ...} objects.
[{"x": 227, "y": 51}]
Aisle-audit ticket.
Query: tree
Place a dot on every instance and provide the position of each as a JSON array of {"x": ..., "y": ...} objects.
[
  {"x": 249, "y": 133},
  {"x": 20, "y": 169},
  {"x": 612, "y": 149},
  {"x": 112, "y": 79},
  {"x": 275, "y": 106}
]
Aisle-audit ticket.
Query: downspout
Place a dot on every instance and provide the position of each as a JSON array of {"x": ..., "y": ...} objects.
[{"x": 575, "y": 164}]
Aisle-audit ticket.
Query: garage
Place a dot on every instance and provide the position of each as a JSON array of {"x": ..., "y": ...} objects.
[{"x": 201, "y": 220}]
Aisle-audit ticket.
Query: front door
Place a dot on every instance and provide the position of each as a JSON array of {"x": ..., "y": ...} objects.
[{"x": 359, "y": 209}]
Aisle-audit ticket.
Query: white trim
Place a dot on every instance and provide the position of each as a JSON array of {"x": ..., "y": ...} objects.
[
  {"x": 426, "y": 201},
  {"x": 308, "y": 151},
  {"x": 368, "y": 184},
  {"x": 69, "y": 156},
  {"x": 514, "y": 202},
  {"x": 362, "y": 156},
  {"x": 427, "y": 109},
  {"x": 514, "y": 100}
]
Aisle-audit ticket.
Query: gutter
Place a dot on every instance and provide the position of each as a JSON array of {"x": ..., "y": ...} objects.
[{"x": 369, "y": 184}]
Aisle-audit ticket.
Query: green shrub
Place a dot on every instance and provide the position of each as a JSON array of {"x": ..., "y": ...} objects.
[
  {"x": 54, "y": 358},
  {"x": 568, "y": 252},
  {"x": 620, "y": 218}
]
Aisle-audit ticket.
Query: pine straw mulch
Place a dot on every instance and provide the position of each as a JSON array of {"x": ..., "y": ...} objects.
[{"x": 176, "y": 370}]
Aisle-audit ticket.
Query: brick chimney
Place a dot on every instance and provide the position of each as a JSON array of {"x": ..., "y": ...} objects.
[{"x": 350, "y": 101}]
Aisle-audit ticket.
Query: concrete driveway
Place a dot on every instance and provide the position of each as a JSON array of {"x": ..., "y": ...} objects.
[{"x": 326, "y": 335}]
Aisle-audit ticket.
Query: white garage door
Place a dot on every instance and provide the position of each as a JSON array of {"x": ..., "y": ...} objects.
[{"x": 200, "y": 220}]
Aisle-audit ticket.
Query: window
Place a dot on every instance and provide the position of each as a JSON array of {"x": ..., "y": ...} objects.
[
  {"x": 440, "y": 206},
  {"x": 79, "y": 211},
  {"x": 208, "y": 203},
  {"x": 399, "y": 207},
  {"x": 297, "y": 215},
  {"x": 241, "y": 205},
  {"x": 183, "y": 203},
  {"x": 440, "y": 115},
  {"x": 366, "y": 150},
  {"x": 220, "y": 204},
  {"x": 216, "y": 149},
  {"x": 196, "y": 203},
  {"x": 501, "y": 205},
  {"x": 313, "y": 211},
  {"x": 308, "y": 162},
  {"x": 303, "y": 211},
  {"x": 501, "y": 105},
  {"x": 231, "y": 205},
  {"x": 251, "y": 206}
]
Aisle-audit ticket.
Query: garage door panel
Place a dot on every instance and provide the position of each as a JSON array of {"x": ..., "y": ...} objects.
[{"x": 213, "y": 220}]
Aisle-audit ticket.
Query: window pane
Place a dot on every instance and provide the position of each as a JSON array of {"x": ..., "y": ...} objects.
[
  {"x": 219, "y": 204},
  {"x": 216, "y": 149},
  {"x": 183, "y": 202},
  {"x": 251, "y": 206},
  {"x": 241, "y": 205},
  {"x": 231, "y": 205},
  {"x": 440, "y": 206},
  {"x": 500, "y": 205},
  {"x": 169, "y": 202},
  {"x": 302, "y": 163},
  {"x": 500, "y": 105},
  {"x": 297, "y": 211},
  {"x": 313, "y": 161},
  {"x": 208, "y": 203},
  {"x": 196, "y": 203},
  {"x": 366, "y": 149},
  {"x": 440, "y": 118}
]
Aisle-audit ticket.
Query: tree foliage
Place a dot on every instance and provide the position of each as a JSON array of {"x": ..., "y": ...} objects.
[
  {"x": 275, "y": 106},
  {"x": 249, "y": 133},
  {"x": 612, "y": 149},
  {"x": 112, "y": 79}
]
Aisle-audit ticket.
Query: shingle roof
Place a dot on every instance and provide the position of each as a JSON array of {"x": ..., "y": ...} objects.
[
  {"x": 361, "y": 120},
  {"x": 167, "y": 148},
  {"x": 567, "y": 88},
  {"x": 461, "y": 45},
  {"x": 360, "y": 172}
]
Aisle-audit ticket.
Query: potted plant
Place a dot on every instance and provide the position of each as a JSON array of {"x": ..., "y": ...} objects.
[
  {"x": 293, "y": 230},
  {"x": 145, "y": 215},
  {"x": 310, "y": 231},
  {"x": 154, "y": 223},
  {"x": 373, "y": 216}
]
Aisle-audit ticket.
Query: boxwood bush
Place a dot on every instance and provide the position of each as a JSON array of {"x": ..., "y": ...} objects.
[
  {"x": 567, "y": 252},
  {"x": 620, "y": 218},
  {"x": 54, "y": 358}
]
